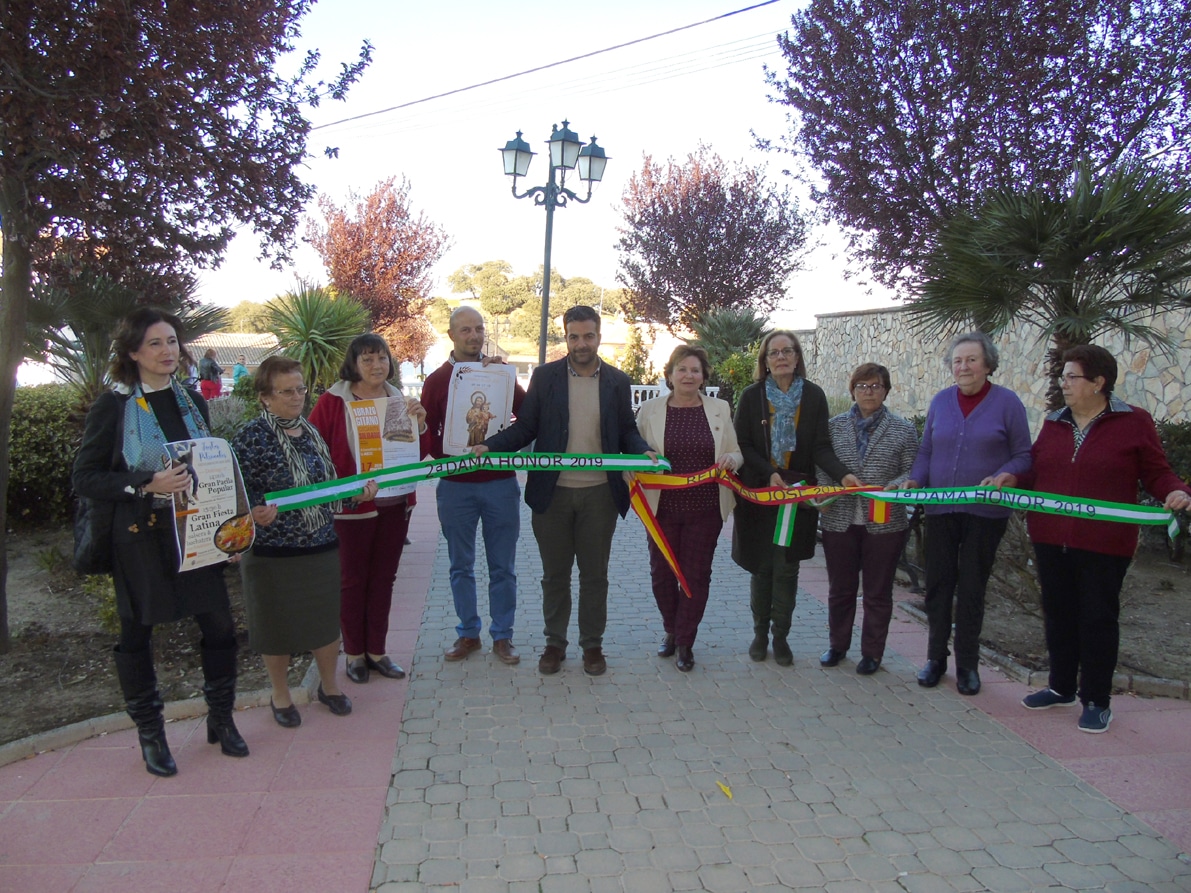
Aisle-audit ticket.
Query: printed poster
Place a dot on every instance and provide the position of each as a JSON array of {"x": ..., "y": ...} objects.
[
  {"x": 213, "y": 518},
  {"x": 386, "y": 436},
  {"x": 479, "y": 403}
]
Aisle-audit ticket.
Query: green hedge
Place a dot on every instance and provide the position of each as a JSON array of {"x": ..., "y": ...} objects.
[
  {"x": 1176, "y": 438},
  {"x": 46, "y": 433}
]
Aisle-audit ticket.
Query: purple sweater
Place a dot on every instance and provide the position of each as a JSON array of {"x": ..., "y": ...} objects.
[{"x": 959, "y": 452}]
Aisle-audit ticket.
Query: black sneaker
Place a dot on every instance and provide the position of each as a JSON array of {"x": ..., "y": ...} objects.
[
  {"x": 1095, "y": 719},
  {"x": 1045, "y": 699}
]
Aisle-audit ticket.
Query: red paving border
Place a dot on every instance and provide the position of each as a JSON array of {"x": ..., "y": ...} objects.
[
  {"x": 301, "y": 813},
  {"x": 1142, "y": 764}
]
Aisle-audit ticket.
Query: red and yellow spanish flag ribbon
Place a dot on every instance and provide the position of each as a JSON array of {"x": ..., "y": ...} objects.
[
  {"x": 785, "y": 498},
  {"x": 641, "y": 506}
]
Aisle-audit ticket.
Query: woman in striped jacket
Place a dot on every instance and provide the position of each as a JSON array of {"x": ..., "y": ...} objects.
[{"x": 881, "y": 447}]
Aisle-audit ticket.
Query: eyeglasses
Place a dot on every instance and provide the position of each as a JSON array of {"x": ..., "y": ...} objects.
[
  {"x": 292, "y": 392},
  {"x": 782, "y": 354},
  {"x": 870, "y": 388},
  {"x": 1071, "y": 378}
]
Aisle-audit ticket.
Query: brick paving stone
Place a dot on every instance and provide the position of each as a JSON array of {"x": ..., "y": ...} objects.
[
  {"x": 928, "y": 883},
  {"x": 565, "y": 883},
  {"x": 1003, "y": 880},
  {"x": 724, "y": 879},
  {"x": 944, "y": 862},
  {"x": 888, "y": 842}
]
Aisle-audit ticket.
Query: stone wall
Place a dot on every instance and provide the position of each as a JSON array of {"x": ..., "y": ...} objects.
[{"x": 1156, "y": 381}]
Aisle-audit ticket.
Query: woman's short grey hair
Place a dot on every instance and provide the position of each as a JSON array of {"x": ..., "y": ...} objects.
[{"x": 991, "y": 355}]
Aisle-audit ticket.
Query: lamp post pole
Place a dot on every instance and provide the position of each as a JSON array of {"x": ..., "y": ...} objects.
[
  {"x": 551, "y": 202},
  {"x": 567, "y": 152}
]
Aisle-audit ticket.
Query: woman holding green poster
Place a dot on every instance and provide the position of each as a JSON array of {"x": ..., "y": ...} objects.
[{"x": 1096, "y": 447}]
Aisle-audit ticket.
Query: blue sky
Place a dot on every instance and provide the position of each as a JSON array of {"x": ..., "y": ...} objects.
[{"x": 661, "y": 97}]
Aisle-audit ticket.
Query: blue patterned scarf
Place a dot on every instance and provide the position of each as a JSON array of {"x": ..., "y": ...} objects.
[
  {"x": 864, "y": 428},
  {"x": 144, "y": 441},
  {"x": 783, "y": 435}
]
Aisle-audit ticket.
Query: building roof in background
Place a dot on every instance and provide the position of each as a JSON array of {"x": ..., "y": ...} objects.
[{"x": 229, "y": 345}]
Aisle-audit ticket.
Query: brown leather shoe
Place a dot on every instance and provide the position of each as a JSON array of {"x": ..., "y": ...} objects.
[
  {"x": 551, "y": 659},
  {"x": 505, "y": 652},
  {"x": 593, "y": 661},
  {"x": 462, "y": 648}
]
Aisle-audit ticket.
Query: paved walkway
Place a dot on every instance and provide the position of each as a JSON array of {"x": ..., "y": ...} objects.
[{"x": 736, "y": 777}]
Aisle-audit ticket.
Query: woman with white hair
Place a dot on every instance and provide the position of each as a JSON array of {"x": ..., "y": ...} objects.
[{"x": 975, "y": 430}]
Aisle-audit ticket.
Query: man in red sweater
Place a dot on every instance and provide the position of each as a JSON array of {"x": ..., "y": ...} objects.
[{"x": 467, "y": 500}]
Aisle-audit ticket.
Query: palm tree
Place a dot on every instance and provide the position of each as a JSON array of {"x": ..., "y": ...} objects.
[
  {"x": 726, "y": 333},
  {"x": 723, "y": 331},
  {"x": 72, "y": 321},
  {"x": 314, "y": 326},
  {"x": 1104, "y": 257}
]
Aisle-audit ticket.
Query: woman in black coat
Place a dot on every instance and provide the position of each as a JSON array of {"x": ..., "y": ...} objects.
[
  {"x": 781, "y": 424},
  {"x": 121, "y": 461}
]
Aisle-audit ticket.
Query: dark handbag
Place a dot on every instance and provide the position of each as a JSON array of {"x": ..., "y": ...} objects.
[
  {"x": 93, "y": 536},
  {"x": 793, "y": 477},
  {"x": 93, "y": 520}
]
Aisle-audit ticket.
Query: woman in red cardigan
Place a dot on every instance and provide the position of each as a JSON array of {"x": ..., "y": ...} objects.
[
  {"x": 1096, "y": 447},
  {"x": 371, "y": 533}
]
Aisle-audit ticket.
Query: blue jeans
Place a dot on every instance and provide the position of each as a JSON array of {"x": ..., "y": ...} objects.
[{"x": 461, "y": 507}]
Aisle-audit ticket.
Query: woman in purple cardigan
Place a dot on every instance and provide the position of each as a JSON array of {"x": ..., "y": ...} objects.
[{"x": 974, "y": 431}]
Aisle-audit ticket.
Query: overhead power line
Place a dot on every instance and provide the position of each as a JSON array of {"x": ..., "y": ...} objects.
[
  {"x": 527, "y": 71},
  {"x": 637, "y": 75}
]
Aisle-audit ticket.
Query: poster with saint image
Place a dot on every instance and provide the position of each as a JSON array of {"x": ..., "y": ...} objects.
[
  {"x": 212, "y": 515},
  {"x": 479, "y": 403},
  {"x": 385, "y": 435}
]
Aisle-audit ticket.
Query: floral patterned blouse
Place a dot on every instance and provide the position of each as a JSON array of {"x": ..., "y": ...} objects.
[
  {"x": 263, "y": 465},
  {"x": 690, "y": 447}
]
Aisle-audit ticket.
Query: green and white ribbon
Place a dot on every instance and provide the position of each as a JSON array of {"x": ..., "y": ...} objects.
[
  {"x": 1030, "y": 501},
  {"x": 415, "y": 472},
  {"x": 1020, "y": 500},
  {"x": 783, "y": 531}
]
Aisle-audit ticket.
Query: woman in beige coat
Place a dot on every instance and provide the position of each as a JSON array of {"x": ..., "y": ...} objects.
[{"x": 694, "y": 432}]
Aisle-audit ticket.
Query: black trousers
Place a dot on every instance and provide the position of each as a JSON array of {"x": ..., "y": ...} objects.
[
  {"x": 960, "y": 550},
  {"x": 1081, "y": 601},
  {"x": 217, "y": 628}
]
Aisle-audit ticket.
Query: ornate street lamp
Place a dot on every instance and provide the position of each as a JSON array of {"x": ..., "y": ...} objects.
[{"x": 567, "y": 152}]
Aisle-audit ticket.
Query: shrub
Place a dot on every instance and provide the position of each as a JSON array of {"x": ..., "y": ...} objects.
[
  {"x": 46, "y": 433},
  {"x": 245, "y": 388},
  {"x": 1176, "y": 439},
  {"x": 101, "y": 588},
  {"x": 230, "y": 414},
  {"x": 735, "y": 373}
]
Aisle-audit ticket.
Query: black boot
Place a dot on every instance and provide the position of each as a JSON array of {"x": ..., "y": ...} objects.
[
  {"x": 219, "y": 687},
  {"x": 760, "y": 643},
  {"x": 759, "y": 606},
  {"x": 139, "y": 684},
  {"x": 782, "y": 655}
]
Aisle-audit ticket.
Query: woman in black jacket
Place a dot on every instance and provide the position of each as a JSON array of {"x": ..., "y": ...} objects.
[
  {"x": 781, "y": 424},
  {"x": 121, "y": 461}
]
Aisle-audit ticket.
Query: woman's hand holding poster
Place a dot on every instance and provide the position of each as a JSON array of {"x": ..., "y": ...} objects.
[{"x": 212, "y": 515}]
